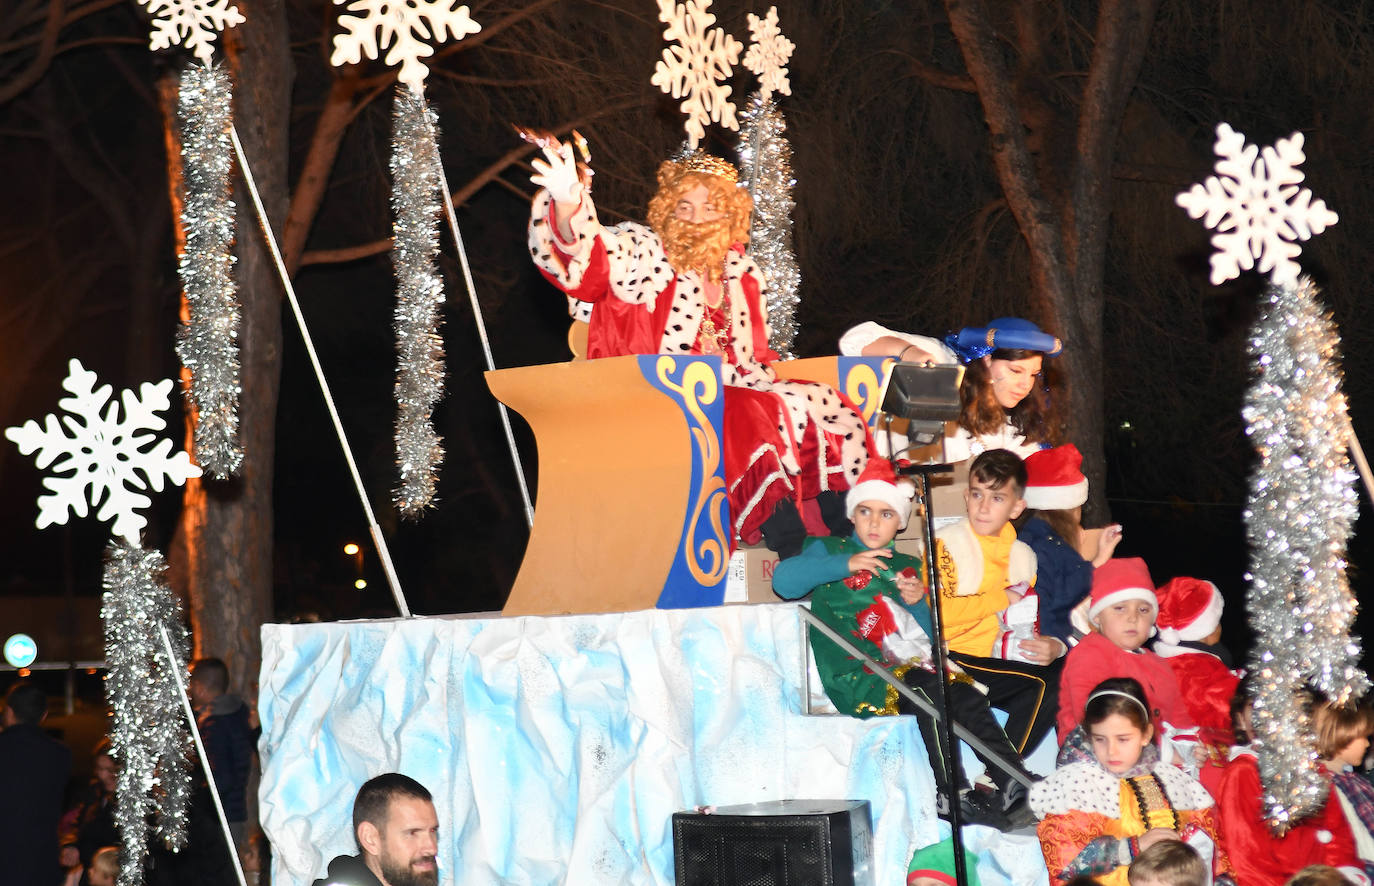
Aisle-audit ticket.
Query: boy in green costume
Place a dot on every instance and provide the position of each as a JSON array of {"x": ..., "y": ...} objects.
[{"x": 865, "y": 589}]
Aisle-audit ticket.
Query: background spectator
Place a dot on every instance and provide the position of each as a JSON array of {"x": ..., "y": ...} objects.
[{"x": 33, "y": 774}]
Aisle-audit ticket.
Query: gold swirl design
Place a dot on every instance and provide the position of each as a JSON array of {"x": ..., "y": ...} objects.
[
  {"x": 700, "y": 387},
  {"x": 862, "y": 387}
]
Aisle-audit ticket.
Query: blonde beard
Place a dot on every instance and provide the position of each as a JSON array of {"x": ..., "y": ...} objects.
[{"x": 697, "y": 246}]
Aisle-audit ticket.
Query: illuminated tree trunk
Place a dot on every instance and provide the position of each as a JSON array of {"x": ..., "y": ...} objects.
[
  {"x": 1055, "y": 171},
  {"x": 223, "y": 550}
]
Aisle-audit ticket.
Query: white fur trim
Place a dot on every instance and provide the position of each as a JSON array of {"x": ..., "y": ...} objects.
[
  {"x": 1088, "y": 787},
  {"x": 1166, "y": 649},
  {"x": 961, "y": 542},
  {"x": 1057, "y": 498},
  {"x": 1118, "y": 596},
  {"x": 897, "y": 496}
]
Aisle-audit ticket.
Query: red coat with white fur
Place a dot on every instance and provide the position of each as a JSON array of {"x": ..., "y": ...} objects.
[{"x": 1095, "y": 659}]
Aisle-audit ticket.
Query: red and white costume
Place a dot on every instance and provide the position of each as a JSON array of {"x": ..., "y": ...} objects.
[
  {"x": 781, "y": 438},
  {"x": 1095, "y": 659},
  {"x": 1262, "y": 859}
]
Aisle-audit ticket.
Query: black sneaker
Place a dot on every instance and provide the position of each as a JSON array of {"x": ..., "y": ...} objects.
[
  {"x": 1015, "y": 806},
  {"x": 979, "y": 807}
]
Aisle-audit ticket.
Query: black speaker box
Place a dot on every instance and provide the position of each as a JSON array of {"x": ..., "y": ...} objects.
[{"x": 781, "y": 843}]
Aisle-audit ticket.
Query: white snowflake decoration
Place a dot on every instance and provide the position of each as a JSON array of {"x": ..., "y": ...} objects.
[
  {"x": 192, "y": 23},
  {"x": 767, "y": 56},
  {"x": 403, "y": 26},
  {"x": 1256, "y": 207},
  {"x": 692, "y": 68},
  {"x": 103, "y": 453}
]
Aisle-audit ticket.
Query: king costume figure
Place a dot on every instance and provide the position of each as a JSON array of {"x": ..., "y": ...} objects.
[{"x": 684, "y": 284}]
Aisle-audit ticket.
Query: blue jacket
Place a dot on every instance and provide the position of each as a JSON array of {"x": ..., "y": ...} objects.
[{"x": 1063, "y": 578}]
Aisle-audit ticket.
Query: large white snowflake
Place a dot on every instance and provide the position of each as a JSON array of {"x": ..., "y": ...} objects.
[
  {"x": 692, "y": 68},
  {"x": 768, "y": 54},
  {"x": 403, "y": 26},
  {"x": 192, "y": 23},
  {"x": 105, "y": 460},
  {"x": 1256, "y": 207}
]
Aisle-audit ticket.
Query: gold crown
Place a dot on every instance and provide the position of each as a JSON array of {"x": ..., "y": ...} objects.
[{"x": 709, "y": 164}]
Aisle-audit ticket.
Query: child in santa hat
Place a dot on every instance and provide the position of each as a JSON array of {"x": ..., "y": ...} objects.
[
  {"x": 863, "y": 588},
  {"x": 1051, "y": 527},
  {"x": 1189, "y": 638},
  {"x": 1122, "y": 611}
]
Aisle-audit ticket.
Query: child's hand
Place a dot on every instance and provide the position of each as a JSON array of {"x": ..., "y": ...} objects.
[
  {"x": 910, "y": 586},
  {"x": 874, "y": 560},
  {"x": 1106, "y": 544},
  {"x": 1041, "y": 650}
]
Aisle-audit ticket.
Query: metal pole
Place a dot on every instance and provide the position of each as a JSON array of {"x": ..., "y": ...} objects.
[
  {"x": 383, "y": 554},
  {"x": 906, "y": 692},
  {"x": 200, "y": 752},
  {"x": 937, "y": 646},
  {"x": 482, "y": 336}
]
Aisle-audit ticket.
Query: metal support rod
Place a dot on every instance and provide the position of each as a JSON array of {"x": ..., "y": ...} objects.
[
  {"x": 482, "y": 335},
  {"x": 383, "y": 554},
  {"x": 937, "y": 646},
  {"x": 1361, "y": 463},
  {"x": 906, "y": 692},
  {"x": 175, "y": 671}
]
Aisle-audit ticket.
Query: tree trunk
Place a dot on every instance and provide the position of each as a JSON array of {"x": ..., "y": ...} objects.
[
  {"x": 1066, "y": 232},
  {"x": 224, "y": 547}
]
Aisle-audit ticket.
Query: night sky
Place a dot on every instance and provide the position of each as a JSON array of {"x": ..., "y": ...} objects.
[{"x": 897, "y": 220}]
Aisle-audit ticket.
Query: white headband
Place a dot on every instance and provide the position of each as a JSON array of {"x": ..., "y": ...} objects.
[{"x": 1103, "y": 692}]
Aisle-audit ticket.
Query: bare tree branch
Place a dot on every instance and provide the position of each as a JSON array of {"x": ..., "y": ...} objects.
[
  {"x": 460, "y": 196},
  {"x": 39, "y": 65}
]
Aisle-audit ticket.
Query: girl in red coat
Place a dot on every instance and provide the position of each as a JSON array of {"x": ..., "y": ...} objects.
[{"x": 1122, "y": 611}]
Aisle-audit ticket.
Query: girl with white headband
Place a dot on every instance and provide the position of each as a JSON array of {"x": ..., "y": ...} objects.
[{"x": 1098, "y": 815}]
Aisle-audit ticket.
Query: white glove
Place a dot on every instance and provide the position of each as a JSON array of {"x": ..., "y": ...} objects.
[{"x": 558, "y": 175}]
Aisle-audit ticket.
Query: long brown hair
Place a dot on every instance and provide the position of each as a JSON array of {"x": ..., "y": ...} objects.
[
  {"x": 1035, "y": 417},
  {"x": 1062, "y": 521}
]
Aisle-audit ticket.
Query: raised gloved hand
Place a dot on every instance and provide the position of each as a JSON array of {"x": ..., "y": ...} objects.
[{"x": 558, "y": 174}]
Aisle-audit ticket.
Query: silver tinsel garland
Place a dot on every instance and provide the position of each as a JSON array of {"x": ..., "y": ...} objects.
[
  {"x": 415, "y": 200},
  {"x": 766, "y": 163},
  {"x": 1300, "y": 514},
  {"x": 148, "y": 732},
  {"x": 208, "y": 342}
]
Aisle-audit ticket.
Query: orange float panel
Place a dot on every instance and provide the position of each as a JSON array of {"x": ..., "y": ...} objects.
[{"x": 614, "y": 470}]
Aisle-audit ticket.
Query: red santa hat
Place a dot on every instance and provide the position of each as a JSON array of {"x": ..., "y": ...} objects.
[
  {"x": 1054, "y": 479},
  {"x": 1189, "y": 609},
  {"x": 879, "y": 482},
  {"x": 1119, "y": 579}
]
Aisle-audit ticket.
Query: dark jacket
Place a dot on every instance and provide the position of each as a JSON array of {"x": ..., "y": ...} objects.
[
  {"x": 33, "y": 776},
  {"x": 1062, "y": 577},
  {"x": 229, "y": 741},
  {"x": 348, "y": 870}
]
